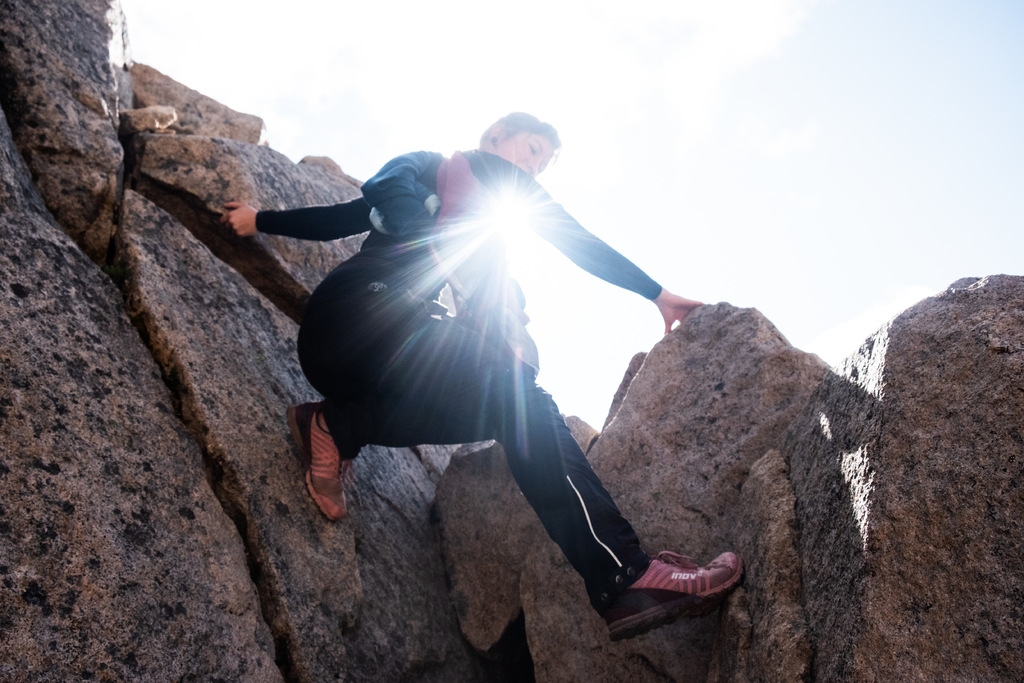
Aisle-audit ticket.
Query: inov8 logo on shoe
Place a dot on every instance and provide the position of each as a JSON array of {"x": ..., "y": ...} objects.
[{"x": 672, "y": 586}]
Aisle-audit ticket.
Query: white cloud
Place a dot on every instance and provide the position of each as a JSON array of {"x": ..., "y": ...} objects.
[
  {"x": 727, "y": 37},
  {"x": 629, "y": 85},
  {"x": 775, "y": 143},
  {"x": 431, "y": 74}
]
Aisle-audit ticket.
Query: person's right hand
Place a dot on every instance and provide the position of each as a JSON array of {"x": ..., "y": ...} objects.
[
  {"x": 674, "y": 309},
  {"x": 241, "y": 218}
]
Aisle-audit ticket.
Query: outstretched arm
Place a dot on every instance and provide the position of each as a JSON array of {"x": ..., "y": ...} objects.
[
  {"x": 554, "y": 224},
  {"x": 597, "y": 258},
  {"x": 674, "y": 308},
  {"x": 320, "y": 223}
]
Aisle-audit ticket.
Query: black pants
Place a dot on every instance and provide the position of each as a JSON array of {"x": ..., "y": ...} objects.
[{"x": 392, "y": 375}]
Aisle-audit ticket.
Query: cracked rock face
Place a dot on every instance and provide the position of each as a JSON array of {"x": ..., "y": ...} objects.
[
  {"x": 435, "y": 458},
  {"x": 116, "y": 560},
  {"x": 61, "y": 68},
  {"x": 231, "y": 356},
  {"x": 380, "y": 615},
  {"x": 710, "y": 399},
  {"x": 191, "y": 177},
  {"x": 907, "y": 471}
]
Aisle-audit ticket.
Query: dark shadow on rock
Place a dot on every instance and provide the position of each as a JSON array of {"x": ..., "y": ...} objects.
[
  {"x": 833, "y": 430},
  {"x": 907, "y": 466}
]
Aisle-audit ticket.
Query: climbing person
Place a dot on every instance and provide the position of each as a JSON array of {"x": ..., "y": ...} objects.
[{"x": 395, "y": 369}]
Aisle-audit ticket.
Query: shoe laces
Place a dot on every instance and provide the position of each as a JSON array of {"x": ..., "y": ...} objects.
[
  {"x": 346, "y": 472},
  {"x": 678, "y": 560}
]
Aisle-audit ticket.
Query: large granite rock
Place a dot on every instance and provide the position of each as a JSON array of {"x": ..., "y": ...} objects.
[
  {"x": 231, "y": 357},
  {"x": 763, "y": 633},
  {"x": 197, "y": 113},
  {"x": 383, "y": 615},
  {"x": 116, "y": 560},
  {"x": 331, "y": 167},
  {"x": 710, "y": 399},
  {"x": 435, "y": 457},
  {"x": 191, "y": 177},
  {"x": 487, "y": 529},
  {"x": 62, "y": 65},
  {"x": 907, "y": 467},
  {"x": 407, "y": 630}
]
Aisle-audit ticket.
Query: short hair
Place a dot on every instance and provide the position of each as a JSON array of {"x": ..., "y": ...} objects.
[{"x": 521, "y": 122}]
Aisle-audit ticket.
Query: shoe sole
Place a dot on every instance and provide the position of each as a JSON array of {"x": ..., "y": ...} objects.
[
  {"x": 334, "y": 517},
  {"x": 688, "y": 606}
]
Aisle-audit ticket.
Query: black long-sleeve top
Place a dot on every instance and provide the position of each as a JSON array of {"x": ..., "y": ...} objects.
[{"x": 398, "y": 192}]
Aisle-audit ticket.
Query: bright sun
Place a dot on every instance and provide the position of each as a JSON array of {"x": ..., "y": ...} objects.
[{"x": 511, "y": 214}]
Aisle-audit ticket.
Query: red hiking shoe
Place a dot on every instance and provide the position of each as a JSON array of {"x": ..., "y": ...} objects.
[
  {"x": 672, "y": 586},
  {"x": 326, "y": 472}
]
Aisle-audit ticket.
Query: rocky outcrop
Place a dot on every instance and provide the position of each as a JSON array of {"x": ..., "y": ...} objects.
[
  {"x": 585, "y": 435},
  {"x": 906, "y": 466},
  {"x": 191, "y": 177},
  {"x": 635, "y": 363},
  {"x": 116, "y": 560},
  {"x": 435, "y": 458},
  {"x": 710, "y": 400},
  {"x": 407, "y": 628},
  {"x": 487, "y": 529},
  {"x": 155, "y": 534},
  {"x": 231, "y": 356},
  {"x": 62, "y": 67},
  {"x": 155, "y": 119},
  {"x": 331, "y": 168},
  {"x": 762, "y": 633},
  {"x": 197, "y": 114}
]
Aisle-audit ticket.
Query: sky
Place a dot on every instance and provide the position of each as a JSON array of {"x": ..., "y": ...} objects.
[{"x": 828, "y": 162}]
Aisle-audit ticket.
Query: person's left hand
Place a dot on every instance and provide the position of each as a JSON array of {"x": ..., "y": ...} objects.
[{"x": 674, "y": 308}]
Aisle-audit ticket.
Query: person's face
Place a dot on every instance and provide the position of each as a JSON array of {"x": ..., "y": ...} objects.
[{"x": 529, "y": 151}]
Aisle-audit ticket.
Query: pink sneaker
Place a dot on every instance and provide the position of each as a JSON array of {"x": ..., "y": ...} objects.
[
  {"x": 326, "y": 472},
  {"x": 672, "y": 586}
]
